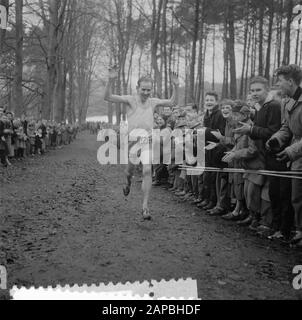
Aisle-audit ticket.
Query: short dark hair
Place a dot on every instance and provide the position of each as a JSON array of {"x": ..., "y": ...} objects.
[
  {"x": 291, "y": 71},
  {"x": 227, "y": 102},
  {"x": 146, "y": 78},
  {"x": 261, "y": 80},
  {"x": 213, "y": 94},
  {"x": 193, "y": 106}
]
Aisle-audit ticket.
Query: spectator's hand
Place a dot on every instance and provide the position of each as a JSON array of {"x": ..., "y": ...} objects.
[
  {"x": 245, "y": 129},
  {"x": 283, "y": 156},
  {"x": 272, "y": 145},
  {"x": 217, "y": 134},
  {"x": 175, "y": 79},
  {"x": 3, "y": 139},
  {"x": 229, "y": 157},
  {"x": 113, "y": 72},
  {"x": 211, "y": 146}
]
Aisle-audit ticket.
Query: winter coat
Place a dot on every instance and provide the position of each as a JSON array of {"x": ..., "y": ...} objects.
[
  {"x": 31, "y": 133},
  {"x": 248, "y": 157},
  {"x": 2, "y": 143},
  {"x": 290, "y": 134},
  {"x": 214, "y": 121},
  {"x": 21, "y": 138},
  {"x": 267, "y": 121}
]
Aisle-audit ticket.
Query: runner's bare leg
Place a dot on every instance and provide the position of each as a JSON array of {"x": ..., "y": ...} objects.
[
  {"x": 147, "y": 184},
  {"x": 129, "y": 174}
]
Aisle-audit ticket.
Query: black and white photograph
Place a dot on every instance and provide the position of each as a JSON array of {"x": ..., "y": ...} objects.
[{"x": 152, "y": 140}]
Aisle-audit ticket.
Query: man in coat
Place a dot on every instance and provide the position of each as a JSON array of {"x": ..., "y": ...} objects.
[
  {"x": 289, "y": 137},
  {"x": 267, "y": 121}
]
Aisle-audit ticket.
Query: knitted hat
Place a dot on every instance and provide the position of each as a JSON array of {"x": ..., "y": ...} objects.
[
  {"x": 238, "y": 105},
  {"x": 195, "y": 124},
  {"x": 245, "y": 110},
  {"x": 180, "y": 123}
]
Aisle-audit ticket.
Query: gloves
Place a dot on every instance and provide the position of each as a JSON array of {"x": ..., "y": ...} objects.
[{"x": 273, "y": 146}]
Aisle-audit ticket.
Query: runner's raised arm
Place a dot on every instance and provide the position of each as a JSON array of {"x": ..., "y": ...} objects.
[
  {"x": 173, "y": 100},
  {"x": 113, "y": 73}
]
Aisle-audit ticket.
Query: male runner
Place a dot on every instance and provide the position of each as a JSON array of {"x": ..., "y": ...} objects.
[{"x": 140, "y": 110}]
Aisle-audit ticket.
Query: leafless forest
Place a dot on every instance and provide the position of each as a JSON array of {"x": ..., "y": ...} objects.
[{"x": 55, "y": 53}]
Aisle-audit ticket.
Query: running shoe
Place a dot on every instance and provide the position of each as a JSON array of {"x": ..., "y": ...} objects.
[
  {"x": 146, "y": 214},
  {"x": 126, "y": 190}
]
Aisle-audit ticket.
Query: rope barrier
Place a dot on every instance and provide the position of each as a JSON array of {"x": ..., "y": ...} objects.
[{"x": 280, "y": 174}]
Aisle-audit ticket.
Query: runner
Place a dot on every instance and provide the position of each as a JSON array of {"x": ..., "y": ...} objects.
[{"x": 140, "y": 110}]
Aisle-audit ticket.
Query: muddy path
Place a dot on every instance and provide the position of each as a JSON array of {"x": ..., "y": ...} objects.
[{"x": 64, "y": 220}]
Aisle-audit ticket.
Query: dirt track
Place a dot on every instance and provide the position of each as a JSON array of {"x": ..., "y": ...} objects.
[{"x": 63, "y": 220}]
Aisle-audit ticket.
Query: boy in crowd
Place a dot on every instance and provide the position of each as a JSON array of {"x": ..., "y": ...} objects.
[
  {"x": 191, "y": 113},
  {"x": 140, "y": 110},
  {"x": 3, "y": 144},
  {"x": 247, "y": 156},
  {"x": 267, "y": 121},
  {"x": 213, "y": 120},
  {"x": 226, "y": 142}
]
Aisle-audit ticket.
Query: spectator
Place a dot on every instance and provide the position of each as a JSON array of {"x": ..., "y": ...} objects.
[
  {"x": 267, "y": 121},
  {"x": 213, "y": 120},
  {"x": 287, "y": 141},
  {"x": 226, "y": 143},
  {"x": 3, "y": 144},
  {"x": 248, "y": 157}
]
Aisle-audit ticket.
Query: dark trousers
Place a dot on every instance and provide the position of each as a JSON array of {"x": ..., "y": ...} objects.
[
  {"x": 222, "y": 190},
  {"x": 161, "y": 173},
  {"x": 20, "y": 153},
  {"x": 297, "y": 202},
  {"x": 3, "y": 156},
  {"x": 188, "y": 184},
  {"x": 209, "y": 181},
  {"x": 282, "y": 210},
  {"x": 194, "y": 180}
]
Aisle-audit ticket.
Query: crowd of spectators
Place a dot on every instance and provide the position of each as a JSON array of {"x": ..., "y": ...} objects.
[
  {"x": 262, "y": 136},
  {"x": 27, "y": 137}
]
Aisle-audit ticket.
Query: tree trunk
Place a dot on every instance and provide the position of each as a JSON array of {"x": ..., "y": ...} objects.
[
  {"x": 232, "y": 55},
  {"x": 269, "y": 41},
  {"x": 213, "y": 59},
  {"x": 203, "y": 71},
  {"x": 4, "y": 3},
  {"x": 300, "y": 58},
  {"x": 297, "y": 46},
  {"x": 225, "y": 85},
  {"x": 187, "y": 68},
  {"x": 280, "y": 15},
  {"x": 253, "y": 56},
  {"x": 164, "y": 47},
  {"x": 52, "y": 59},
  {"x": 247, "y": 62},
  {"x": 155, "y": 31},
  {"x": 200, "y": 62},
  {"x": 193, "y": 53},
  {"x": 172, "y": 54},
  {"x": 246, "y": 29},
  {"x": 286, "y": 52},
  {"x": 261, "y": 25},
  {"x": 18, "y": 94}
]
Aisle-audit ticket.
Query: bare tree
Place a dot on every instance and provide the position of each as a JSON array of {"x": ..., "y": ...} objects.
[
  {"x": 4, "y": 3},
  {"x": 18, "y": 89}
]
